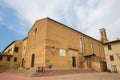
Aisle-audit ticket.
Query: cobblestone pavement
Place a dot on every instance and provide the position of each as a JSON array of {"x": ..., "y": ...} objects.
[{"x": 85, "y": 76}]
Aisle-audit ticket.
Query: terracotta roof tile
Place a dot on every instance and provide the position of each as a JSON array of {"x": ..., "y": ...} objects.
[{"x": 5, "y": 54}]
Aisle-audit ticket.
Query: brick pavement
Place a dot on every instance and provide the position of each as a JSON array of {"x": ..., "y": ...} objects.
[{"x": 85, "y": 76}]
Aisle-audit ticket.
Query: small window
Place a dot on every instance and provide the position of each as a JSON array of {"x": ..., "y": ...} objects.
[
  {"x": 35, "y": 30},
  {"x": 15, "y": 59},
  {"x": 8, "y": 50},
  {"x": 91, "y": 46},
  {"x": 109, "y": 47},
  {"x": 111, "y": 58},
  {"x": 16, "y": 49},
  {"x": 98, "y": 50},
  {"x": 1, "y": 58},
  {"x": 8, "y": 58}
]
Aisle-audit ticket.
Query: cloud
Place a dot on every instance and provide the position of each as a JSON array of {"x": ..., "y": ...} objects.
[
  {"x": 0, "y": 19},
  {"x": 87, "y": 16},
  {"x": 103, "y": 15},
  {"x": 31, "y": 10},
  {"x": 37, "y": 9}
]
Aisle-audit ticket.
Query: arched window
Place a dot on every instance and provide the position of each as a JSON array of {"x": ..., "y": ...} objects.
[
  {"x": 91, "y": 46},
  {"x": 36, "y": 30},
  {"x": 81, "y": 45}
]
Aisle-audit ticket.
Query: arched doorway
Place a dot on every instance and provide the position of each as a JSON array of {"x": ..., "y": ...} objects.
[
  {"x": 23, "y": 62},
  {"x": 32, "y": 60},
  {"x": 73, "y": 61}
]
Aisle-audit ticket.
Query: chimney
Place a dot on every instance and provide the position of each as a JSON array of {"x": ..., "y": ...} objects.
[{"x": 103, "y": 35}]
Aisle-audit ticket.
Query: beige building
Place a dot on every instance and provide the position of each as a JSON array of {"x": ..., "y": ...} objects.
[
  {"x": 5, "y": 59},
  {"x": 24, "y": 51},
  {"x": 52, "y": 43},
  {"x": 15, "y": 49},
  {"x": 13, "y": 54},
  {"x": 112, "y": 52}
]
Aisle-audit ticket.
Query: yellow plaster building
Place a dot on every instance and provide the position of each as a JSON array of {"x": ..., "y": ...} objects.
[
  {"x": 112, "y": 52},
  {"x": 5, "y": 59},
  {"x": 24, "y": 51},
  {"x": 14, "y": 53}
]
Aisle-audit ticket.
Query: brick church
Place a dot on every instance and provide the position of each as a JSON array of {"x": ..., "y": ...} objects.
[{"x": 52, "y": 43}]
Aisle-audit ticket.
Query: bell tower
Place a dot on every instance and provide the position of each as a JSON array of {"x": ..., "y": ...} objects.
[{"x": 103, "y": 35}]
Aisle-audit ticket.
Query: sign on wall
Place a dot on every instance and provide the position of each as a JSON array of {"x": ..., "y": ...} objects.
[{"x": 62, "y": 52}]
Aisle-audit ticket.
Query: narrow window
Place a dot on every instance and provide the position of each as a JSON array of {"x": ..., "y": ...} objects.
[
  {"x": 8, "y": 58},
  {"x": 109, "y": 47},
  {"x": 16, "y": 49},
  {"x": 15, "y": 59},
  {"x": 1, "y": 58},
  {"x": 111, "y": 58},
  {"x": 35, "y": 30},
  {"x": 80, "y": 45},
  {"x": 91, "y": 46},
  {"x": 98, "y": 51}
]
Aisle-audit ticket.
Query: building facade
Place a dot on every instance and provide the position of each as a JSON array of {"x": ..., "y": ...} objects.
[
  {"x": 5, "y": 59},
  {"x": 52, "y": 43},
  {"x": 13, "y": 54},
  {"x": 24, "y": 52},
  {"x": 112, "y": 52}
]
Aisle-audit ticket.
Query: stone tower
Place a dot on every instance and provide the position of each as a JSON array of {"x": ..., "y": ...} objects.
[{"x": 103, "y": 35}]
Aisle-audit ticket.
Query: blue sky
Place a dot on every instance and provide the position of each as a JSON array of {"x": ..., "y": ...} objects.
[{"x": 87, "y": 16}]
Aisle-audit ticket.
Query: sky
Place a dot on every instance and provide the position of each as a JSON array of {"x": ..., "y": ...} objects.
[{"x": 86, "y": 16}]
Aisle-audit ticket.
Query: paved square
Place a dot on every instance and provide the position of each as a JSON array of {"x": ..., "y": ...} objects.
[{"x": 84, "y": 76}]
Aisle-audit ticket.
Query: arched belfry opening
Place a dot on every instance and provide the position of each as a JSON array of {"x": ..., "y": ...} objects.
[{"x": 32, "y": 60}]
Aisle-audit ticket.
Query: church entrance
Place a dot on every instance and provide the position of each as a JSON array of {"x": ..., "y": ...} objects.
[
  {"x": 89, "y": 59},
  {"x": 23, "y": 61},
  {"x": 73, "y": 61},
  {"x": 32, "y": 60},
  {"x": 89, "y": 62}
]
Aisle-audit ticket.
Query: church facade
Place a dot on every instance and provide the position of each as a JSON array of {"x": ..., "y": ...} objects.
[{"x": 52, "y": 43}]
